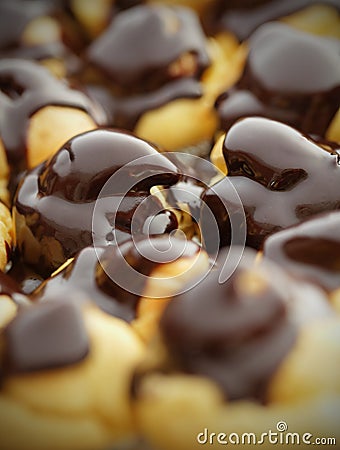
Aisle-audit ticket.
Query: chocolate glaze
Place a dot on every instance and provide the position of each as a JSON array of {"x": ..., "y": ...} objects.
[
  {"x": 310, "y": 250},
  {"x": 144, "y": 77},
  {"x": 55, "y": 202},
  {"x": 26, "y": 87},
  {"x": 125, "y": 269},
  {"x": 127, "y": 111},
  {"x": 197, "y": 175},
  {"x": 86, "y": 273},
  {"x": 228, "y": 333},
  {"x": 290, "y": 76},
  {"x": 281, "y": 176},
  {"x": 143, "y": 42},
  {"x": 44, "y": 336},
  {"x": 80, "y": 275},
  {"x": 243, "y": 17}
]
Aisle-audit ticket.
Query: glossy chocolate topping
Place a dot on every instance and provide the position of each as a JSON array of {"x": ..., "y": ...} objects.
[
  {"x": 243, "y": 17},
  {"x": 144, "y": 41},
  {"x": 80, "y": 275},
  {"x": 44, "y": 336},
  {"x": 197, "y": 175},
  {"x": 118, "y": 288},
  {"x": 125, "y": 269},
  {"x": 127, "y": 111},
  {"x": 229, "y": 332},
  {"x": 26, "y": 87},
  {"x": 310, "y": 250},
  {"x": 55, "y": 203},
  {"x": 290, "y": 76},
  {"x": 280, "y": 175}
]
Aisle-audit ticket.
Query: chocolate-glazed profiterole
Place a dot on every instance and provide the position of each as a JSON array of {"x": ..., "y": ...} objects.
[
  {"x": 309, "y": 250},
  {"x": 173, "y": 35},
  {"x": 52, "y": 355},
  {"x": 281, "y": 176},
  {"x": 290, "y": 76},
  {"x": 224, "y": 353},
  {"x": 243, "y": 17},
  {"x": 54, "y": 205},
  {"x": 167, "y": 83},
  {"x": 219, "y": 330},
  {"x": 167, "y": 63},
  {"x": 39, "y": 112}
]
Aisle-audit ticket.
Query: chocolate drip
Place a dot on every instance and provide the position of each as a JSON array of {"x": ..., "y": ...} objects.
[
  {"x": 26, "y": 87},
  {"x": 80, "y": 275},
  {"x": 290, "y": 76},
  {"x": 280, "y": 175},
  {"x": 143, "y": 42},
  {"x": 125, "y": 269},
  {"x": 44, "y": 336},
  {"x": 229, "y": 332},
  {"x": 242, "y": 18},
  {"x": 124, "y": 112},
  {"x": 56, "y": 202},
  {"x": 310, "y": 250},
  {"x": 127, "y": 111},
  {"x": 96, "y": 272}
]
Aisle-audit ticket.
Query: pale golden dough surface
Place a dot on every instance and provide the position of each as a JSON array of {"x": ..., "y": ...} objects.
[
  {"x": 8, "y": 310},
  {"x": 83, "y": 406},
  {"x": 51, "y": 127},
  {"x": 6, "y": 234},
  {"x": 317, "y": 19},
  {"x": 304, "y": 392},
  {"x": 4, "y": 175},
  {"x": 163, "y": 283}
]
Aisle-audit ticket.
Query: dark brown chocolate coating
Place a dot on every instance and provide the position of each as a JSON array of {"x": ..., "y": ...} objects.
[
  {"x": 143, "y": 256},
  {"x": 310, "y": 250},
  {"x": 109, "y": 277},
  {"x": 45, "y": 336},
  {"x": 80, "y": 275},
  {"x": 143, "y": 42},
  {"x": 281, "y": 176},
  {"x": 290, "y": 76},
  {"x": 242, "y": 18},
  {"x": 234, "y": 336},
  {"x": 26, "y": 87},
  {"x": 56, "y": 201}
]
